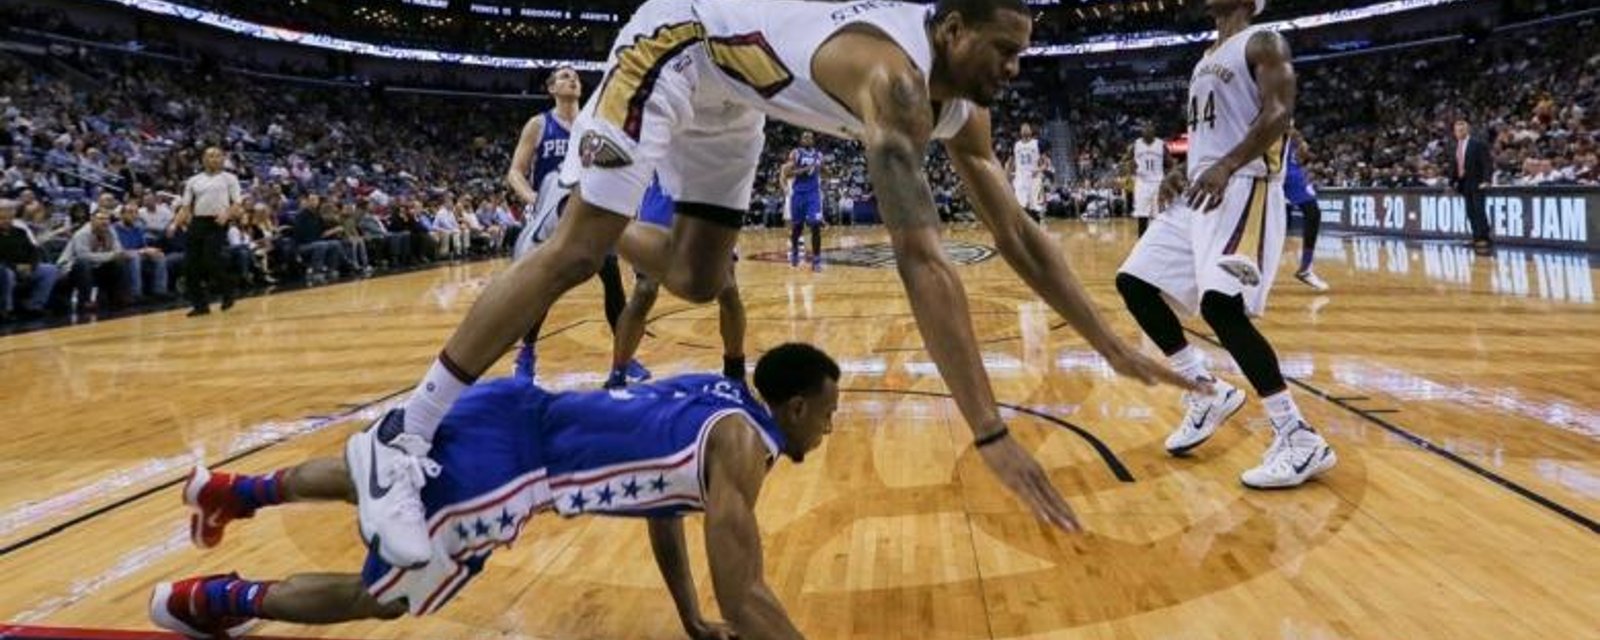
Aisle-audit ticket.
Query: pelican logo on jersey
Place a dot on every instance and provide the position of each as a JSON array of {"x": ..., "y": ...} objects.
[{"x": 596, "y": 150}]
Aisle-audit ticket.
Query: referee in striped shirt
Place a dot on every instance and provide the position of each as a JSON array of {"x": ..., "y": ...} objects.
[{"x": 209, "y": 200}]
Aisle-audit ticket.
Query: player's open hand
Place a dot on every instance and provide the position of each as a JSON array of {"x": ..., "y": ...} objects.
[
  {"x": 1129, "y": 362},
  {"x": 1207, "y": 191},
  {"x": 1020, "y": 473},
  {"x": 704, "y": 630}
]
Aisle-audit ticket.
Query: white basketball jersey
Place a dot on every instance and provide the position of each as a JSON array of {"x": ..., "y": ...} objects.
[
  {"x": 1149, "y": 160},
  {"x": 764, "y": 50},
  {"x": 1025, "y": 159},
  {"x": 1223, "y": 102}
]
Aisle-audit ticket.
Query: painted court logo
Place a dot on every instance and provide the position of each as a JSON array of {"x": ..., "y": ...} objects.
[{"x": 881, "y": 255}]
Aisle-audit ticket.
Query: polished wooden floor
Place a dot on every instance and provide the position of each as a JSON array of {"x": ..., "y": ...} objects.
[{"x": 1463, "y": 394}]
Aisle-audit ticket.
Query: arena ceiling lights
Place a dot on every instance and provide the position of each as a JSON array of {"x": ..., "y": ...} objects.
[{"x": 290, "y": 36}]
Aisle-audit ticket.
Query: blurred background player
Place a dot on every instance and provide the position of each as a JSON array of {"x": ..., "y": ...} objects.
[
  {"x": 804, "y": 170},
  {"x": 1149, "y": 168},
  {"x": 656, "y": 209},
  {"x": 1026, "y": 166},
  {"x": 1219, "y": 253},
  {"x": 1301, "y": 195},
  {"x": 541, "y": 148},
  {"x": 509, "y": 450}
]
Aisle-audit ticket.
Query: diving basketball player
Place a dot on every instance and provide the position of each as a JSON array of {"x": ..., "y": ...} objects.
[
  {"x": 1149, "y": 169},
  {"x": 1026, "y": 167},
  {"x": 1301, "y": 195},
  {"x": 540, "y": 149},
  {"x": 804, "y": 168},
  {"x": 657, "y": 210},
  {"x": 1218, "y": 252},
  {"x": 687, "y": 91},
  {"x": 509, "y": 450}
]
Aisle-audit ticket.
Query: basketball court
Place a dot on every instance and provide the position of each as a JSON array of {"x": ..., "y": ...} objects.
[{"x": 1460, "y": 391}]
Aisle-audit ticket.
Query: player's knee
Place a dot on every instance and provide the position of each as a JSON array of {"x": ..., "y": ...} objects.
[
  {"x": 1223, "y": 312},
  {"x": 698, "y": 288},
  {"x": 1134, "y": 290}
]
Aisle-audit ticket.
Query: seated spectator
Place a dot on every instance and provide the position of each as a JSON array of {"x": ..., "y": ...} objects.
[
  {"x": 447, "y": 231},
  {"x": 350, "y": 236},
  {"x": 146, "y": 265},
  {"x": 94, "y": 259},
  {"x": 22, "y": 268},
  {"x": 393, "y": 248},
  {"x": 156, "y": 212},
  {"x": 315, "y": 243}
]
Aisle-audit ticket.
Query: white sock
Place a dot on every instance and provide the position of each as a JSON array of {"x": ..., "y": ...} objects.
[
  {"x": 1189, "y": 363},
  {"x": 431, "y": 399},
  {"x": 1282, "y": 411}
]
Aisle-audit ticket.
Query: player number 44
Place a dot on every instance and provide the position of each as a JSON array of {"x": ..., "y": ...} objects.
[{"x": 1209, "y": 117}]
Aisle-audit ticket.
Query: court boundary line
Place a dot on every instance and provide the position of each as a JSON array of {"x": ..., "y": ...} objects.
[
  {"x": 1428, "y": 446},
  {"x": 332, "y": 419},
  {"x": 39, "y": 632},
  {"x": 1114, "y": 464}
]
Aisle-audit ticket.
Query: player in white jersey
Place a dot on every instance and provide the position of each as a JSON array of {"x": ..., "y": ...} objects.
[
  {"x": 1026, "y": 166},
  {"x": 1149, "y": 169},
  {"x": 1217, "y": 252},
  {"x": 688, "y": 88}
]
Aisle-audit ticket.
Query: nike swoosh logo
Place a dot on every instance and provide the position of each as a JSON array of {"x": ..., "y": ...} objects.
[
  {"x": 214, "y": 521},
  {"x": 1301, "y": 468},
  {"x": 1201, "y": 421},
  {"x": 373, "y": 488}
]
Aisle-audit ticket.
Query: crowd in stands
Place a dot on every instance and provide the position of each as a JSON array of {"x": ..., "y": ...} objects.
[
  {"x": 1385, "y": 119},
  {"x": 342, "y": 182},
  {"x": 338, "y": 181}
]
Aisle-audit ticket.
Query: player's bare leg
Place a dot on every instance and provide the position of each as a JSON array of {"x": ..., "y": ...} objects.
[
  {"x": 731, "y": 321},
  {"x": 691, "y": 260},
  {"x": 396, "y": 447}
]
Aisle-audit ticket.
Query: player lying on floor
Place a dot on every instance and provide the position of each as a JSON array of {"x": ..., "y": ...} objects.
[{"x": 508, "y": 450}]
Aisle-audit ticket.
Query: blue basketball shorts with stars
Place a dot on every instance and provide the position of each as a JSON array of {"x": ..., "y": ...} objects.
[{"x": 492, "y": 481}]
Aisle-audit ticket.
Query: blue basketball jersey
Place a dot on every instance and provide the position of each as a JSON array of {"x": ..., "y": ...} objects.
[
  {"x": 637, "y": 451},
  {"x": 807, "y": 159},
  {"x": 656, "y": 207},
  {"x": 1296, "y": 189},
  {"x": 552, "y": 149}
]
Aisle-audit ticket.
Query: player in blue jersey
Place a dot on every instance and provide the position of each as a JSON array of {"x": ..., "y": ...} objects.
[
  {"x": 656, "y": 209},
  {"x": 804, "y": 170},
  {"x": 1301, "y": 195},
  {"x": 508, "y": 450},
  {"x": 541, "y": 148}
]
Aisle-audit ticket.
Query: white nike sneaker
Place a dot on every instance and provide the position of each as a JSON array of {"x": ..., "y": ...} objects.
[
  {"x": 1292, "y": 459},
  {"x": 1310, "y": 278},
  {"x": 1205, "y": 414},
  {"x": 389, "y": 468}
]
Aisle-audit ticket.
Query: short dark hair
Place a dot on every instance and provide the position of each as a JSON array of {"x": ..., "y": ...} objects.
[
  {"x": 552, "y": 77},
  {"x": 793, "y": 369},
  {"x": 977, "y": 11}
]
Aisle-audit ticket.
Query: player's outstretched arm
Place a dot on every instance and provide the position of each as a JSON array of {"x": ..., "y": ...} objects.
[
  {"x": 522, "y": 159},
  {"x": 738, "y": 464},
  {"x": 672, "y": 558},
  {"x": 1268, "y": 54},
  {"x": 1035, "y": 258}
]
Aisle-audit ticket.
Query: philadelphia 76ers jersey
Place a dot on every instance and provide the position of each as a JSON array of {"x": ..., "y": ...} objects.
[{"x": 639, "y": 450}]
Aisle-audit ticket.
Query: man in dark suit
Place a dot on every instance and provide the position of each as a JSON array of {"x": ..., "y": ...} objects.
[{"x": 1469, "y": 172}]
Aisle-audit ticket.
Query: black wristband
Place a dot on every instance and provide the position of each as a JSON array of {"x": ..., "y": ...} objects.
[{"x": 992, "y": 438}]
